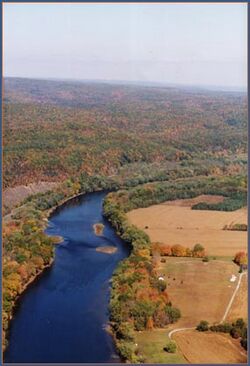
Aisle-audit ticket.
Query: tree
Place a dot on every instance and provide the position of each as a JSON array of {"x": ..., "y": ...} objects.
[
  {"x": 178, "y": 250},
  {"x": 240, "y": 258},
  {"x": 125, "y": 331},
  {"x": 141, "y": 312},
  {"x": 126, "y": 349},
  {"x": 165, "y": 250},
  {"x": 202, "y": 326},
  {"x": 150, "y": 323},
  {"x": 198, "y": 251},
  {"x": 240, "y": 323},
  {"x": 173, "y": 313}
]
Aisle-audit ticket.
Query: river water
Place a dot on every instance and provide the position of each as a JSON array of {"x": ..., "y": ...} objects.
[{"x": 61, "y": 317}]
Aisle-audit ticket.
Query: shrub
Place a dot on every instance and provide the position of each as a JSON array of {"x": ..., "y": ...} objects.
[
  {"x": 170, "y": 347},
  {"x": 202, "y": 326},
  {"x": 205, "y": 259},
  {"x": 235, "y": 333}
]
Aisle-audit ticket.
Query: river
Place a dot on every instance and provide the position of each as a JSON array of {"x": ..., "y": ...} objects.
[{"x": 61, "y": 317}]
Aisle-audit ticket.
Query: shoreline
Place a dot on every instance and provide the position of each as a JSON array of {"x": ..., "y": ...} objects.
[
  {"x": 27, "y": 284},
  {"x": 25, "y": 287},
  {"x": 57, "y": 240}
]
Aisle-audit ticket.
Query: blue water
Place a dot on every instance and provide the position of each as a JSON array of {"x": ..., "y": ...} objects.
[{"x": 62, "y": 316}]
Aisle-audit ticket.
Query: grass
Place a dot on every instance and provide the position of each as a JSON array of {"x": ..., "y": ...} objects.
[{"x": 151, "y": 344}]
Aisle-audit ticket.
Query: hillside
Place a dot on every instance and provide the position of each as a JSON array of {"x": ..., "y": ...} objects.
[{"x": 56, "y": 129}]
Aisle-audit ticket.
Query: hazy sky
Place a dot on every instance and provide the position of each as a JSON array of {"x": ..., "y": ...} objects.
[{"x": 195, "y": 44}]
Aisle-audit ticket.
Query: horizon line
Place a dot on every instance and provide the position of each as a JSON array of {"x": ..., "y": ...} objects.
[{"x": 230, "y": 88}]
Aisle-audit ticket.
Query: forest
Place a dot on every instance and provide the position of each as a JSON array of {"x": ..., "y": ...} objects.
[{"x": 54, "y": 130}]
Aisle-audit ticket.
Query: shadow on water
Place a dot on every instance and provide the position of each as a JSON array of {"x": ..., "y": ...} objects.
[{"x": 62, "y": 316}]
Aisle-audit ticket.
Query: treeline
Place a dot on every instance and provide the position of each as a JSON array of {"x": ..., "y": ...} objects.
[
  {"x": 178, "y": 250},
  {"x": 139, "y": 299},
  {"x": 26, "y": 251},
  {"x": 232, "y": 203},
  {"x": 235, "y": 227},
  {"x": 154, "y": 193}
]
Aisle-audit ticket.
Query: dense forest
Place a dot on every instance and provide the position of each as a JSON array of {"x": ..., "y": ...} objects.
[
  {"x": 148, "y": 144},
  {"x": 53, "y": 130}
]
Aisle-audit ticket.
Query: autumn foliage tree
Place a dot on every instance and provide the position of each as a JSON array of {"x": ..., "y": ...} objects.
[
  {"x": 178, "y": 250},
  {"x": 240, "y": 258},
  {"x": 198, "y": 251}
]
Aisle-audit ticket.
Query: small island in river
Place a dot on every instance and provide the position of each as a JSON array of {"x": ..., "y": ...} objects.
[
  {"x": 98, "y": 228},
  {"x": 107, "y": 249}
]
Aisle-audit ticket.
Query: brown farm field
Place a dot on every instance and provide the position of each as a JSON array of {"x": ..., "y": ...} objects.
[
  {"x": 207, "y": 286},
  {"x": 216, "y": 348},
  {"x": 174, "y": 222}
]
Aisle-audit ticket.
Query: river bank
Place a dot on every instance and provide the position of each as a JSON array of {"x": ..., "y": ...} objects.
[{"x": 78, "y": 280}]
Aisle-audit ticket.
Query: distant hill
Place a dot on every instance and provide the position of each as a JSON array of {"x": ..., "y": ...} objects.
[{"x": 54, "y": 129}]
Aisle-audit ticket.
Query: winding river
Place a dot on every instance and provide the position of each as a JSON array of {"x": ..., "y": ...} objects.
[{"x": 61, "y": 317}]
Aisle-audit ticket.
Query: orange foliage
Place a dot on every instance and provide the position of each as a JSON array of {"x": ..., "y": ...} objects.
[
  {"x": 166, "y": 250},
  {"x": 150, "y": 323},
  {"x": 178, "y": 250},
  {"x": 240, "y": 258},
  {"x": 22, "y": 271}
]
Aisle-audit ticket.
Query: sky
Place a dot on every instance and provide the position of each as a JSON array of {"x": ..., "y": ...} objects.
[{"x": 190, "y": 44}]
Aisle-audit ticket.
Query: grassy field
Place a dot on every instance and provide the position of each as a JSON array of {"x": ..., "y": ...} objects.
[
  {"x": 151, "y": 344},
  {"x": 174, "y": 222},
  {"x": 216, "y": 348}
]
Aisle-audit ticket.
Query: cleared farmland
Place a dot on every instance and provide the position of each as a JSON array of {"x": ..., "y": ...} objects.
[
  {"x": 216, "y": 348},
  {"x": 174, "y": 222},
  {"x": 192, "y": 282}
]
